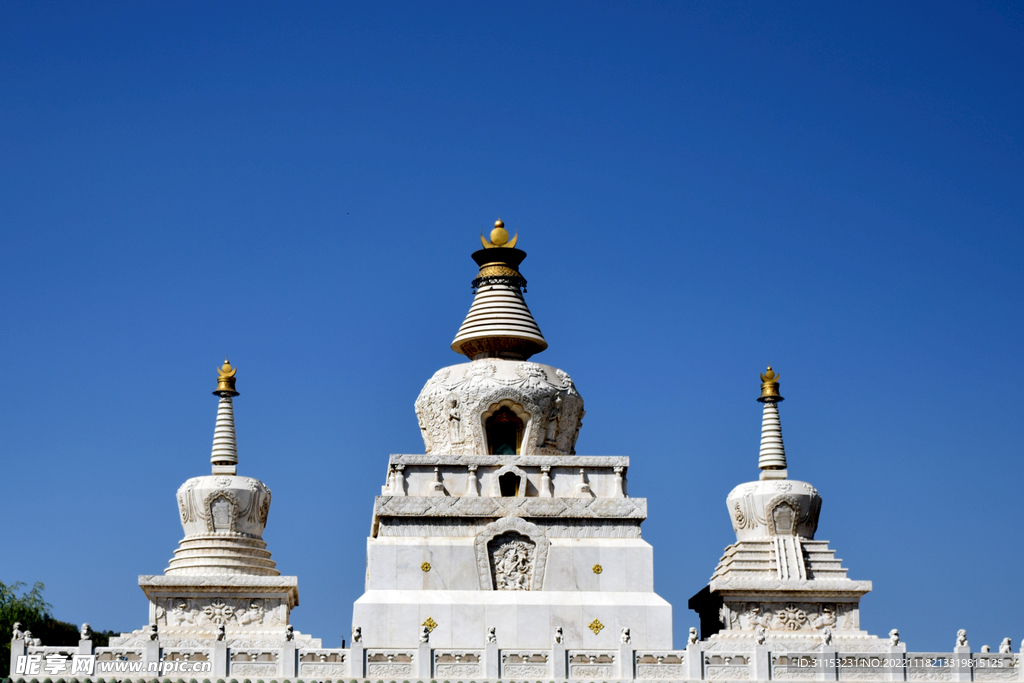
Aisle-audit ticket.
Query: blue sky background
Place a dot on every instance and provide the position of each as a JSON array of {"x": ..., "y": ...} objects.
[{"x": 702, "y": 188}]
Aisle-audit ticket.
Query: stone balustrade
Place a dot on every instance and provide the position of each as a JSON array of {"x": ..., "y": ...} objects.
[{"x": 701, "y": 661}]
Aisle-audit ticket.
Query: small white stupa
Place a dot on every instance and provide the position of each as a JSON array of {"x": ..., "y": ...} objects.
[
  {"x": 777, "y": 581},
  {"x": 221, "y": 587}
]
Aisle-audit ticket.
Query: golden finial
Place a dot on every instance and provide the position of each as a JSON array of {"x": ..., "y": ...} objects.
[
  {"x": 499, "y": 237},
  {"x": 226, "y": 380},
  {"x": 770, "y": 386}
]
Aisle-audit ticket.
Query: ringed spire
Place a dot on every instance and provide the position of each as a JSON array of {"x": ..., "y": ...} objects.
[{"x": 499, "y": 323}]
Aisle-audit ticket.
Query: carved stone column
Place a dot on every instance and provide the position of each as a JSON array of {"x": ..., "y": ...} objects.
[
  {"x": 545, "y": 481},
  {"x": 472, "y": 483},
  {"x": 620, "y": 489}
]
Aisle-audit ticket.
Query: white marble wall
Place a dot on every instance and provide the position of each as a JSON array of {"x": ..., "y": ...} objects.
[
  {"x": 522, "y": 619},
  {"x": 400, "y": 596}
]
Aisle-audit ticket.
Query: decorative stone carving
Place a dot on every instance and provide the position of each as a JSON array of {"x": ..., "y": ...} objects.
[
  {"x": 357, "y": 634},
  {"x": 452, "y": 405},
  {"x": 1006, "y": 646},
  {"x": 961, "y": 638},
  {"x": 558, "y": 634},
  {"x": 512, "y": 557},
  {"x": 207, "y": 613},
  {"x": 511, "y": 554},
  {"x": 691, "y": 638},
  {"x": 625, "y": 638},
  {"x": 492, "y": 636},
  {"x": 894, "y": 637},
  {"x": 84, "y": 634}
]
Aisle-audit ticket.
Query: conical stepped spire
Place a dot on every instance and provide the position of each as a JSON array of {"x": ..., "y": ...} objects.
[
  {"x": 772, "y": 458},
  {"x": 499, "y": 324},
  {"x": 225, "y": 449}
]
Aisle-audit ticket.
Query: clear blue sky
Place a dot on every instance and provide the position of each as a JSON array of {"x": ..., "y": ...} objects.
[{"x": 702, "y": 188}]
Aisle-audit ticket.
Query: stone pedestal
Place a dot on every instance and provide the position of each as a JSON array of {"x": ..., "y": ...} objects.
[{"x": 85, "y": 647}]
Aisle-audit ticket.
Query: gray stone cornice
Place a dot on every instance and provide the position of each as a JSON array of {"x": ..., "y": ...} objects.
[
  {"x": 220, "y": 584},
  {"x": 521, "y": 460},
  {"x": 471, "y": 506},
  {"x": 765, "y": 588}
]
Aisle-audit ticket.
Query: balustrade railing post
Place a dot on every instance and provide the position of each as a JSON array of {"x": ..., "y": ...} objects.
[
  {"x": 18, "y": 649},
  {"x": 356, "y": 661},
  {"x": 220, "y": 659},
  {"x": 491, "y": 662},
  {"x": 288, "y": 657},
  {"x": 626, "y": 659},
  {"x": 150, "y": 654},
  {"x": 762, "y": 663},
  {"x": 559, "y": 665},
  {"x": 896, "y": 670},
  {"x": 694, "y": 662},
  {"x": 424, "y": 655},
  {"x": 828, "y": 666}
]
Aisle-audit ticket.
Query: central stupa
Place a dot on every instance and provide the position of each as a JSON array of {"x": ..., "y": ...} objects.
[{"x": 500, "y": 535}]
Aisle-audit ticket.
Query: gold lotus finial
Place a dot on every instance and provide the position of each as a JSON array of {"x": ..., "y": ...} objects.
[
  {"x": 499, "y": 237},
  {"x": 769, "y": 386},
  {"x": 226, "y": 380}
]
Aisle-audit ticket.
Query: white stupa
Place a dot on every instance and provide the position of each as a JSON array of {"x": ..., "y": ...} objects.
[
  {"x": 777, "y": 581},
  {"x": 500, "y": 534},
  {"x": 222, "y": 591}
]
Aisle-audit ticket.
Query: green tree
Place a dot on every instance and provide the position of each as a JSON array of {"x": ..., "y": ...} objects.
[{"x": 36, "y": 615}]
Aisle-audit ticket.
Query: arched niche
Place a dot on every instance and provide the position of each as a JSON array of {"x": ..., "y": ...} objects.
[
  {"x": 504, "y": 426},
  {"x": 508, "y": 473}
]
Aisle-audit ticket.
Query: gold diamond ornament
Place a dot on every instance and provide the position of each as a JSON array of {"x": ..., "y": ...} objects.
[
  {"x": 430, "y": 624},
  {"x": 425, "y": 566},
  {"x": 595, "y": 626},
  {"x": 598, "y": 569}
]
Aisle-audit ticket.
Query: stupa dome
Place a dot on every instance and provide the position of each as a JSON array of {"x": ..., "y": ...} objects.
[
  {"x": 500, "y": 407},
  {"x": 774, "y": 507}
]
